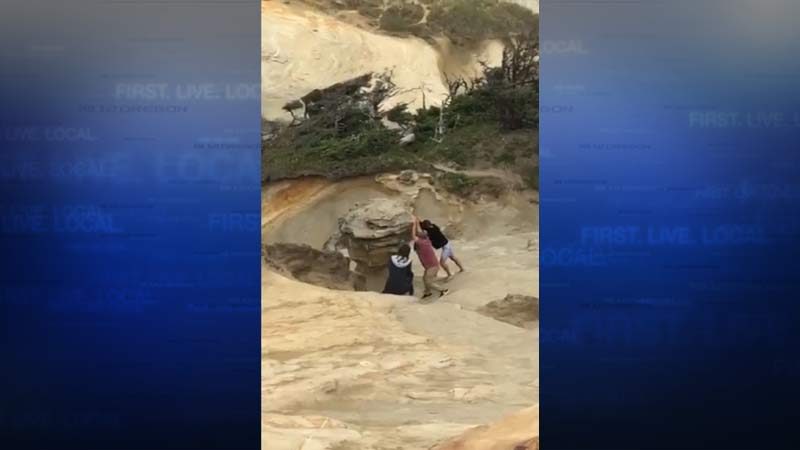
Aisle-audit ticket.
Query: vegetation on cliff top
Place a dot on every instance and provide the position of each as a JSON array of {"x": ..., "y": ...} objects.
[
  {"x": 463, "y": 21},
  {"x": 345, "y": 130}
]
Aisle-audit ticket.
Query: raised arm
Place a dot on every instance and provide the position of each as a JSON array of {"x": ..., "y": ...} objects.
[{"x": 414, "y": 226}]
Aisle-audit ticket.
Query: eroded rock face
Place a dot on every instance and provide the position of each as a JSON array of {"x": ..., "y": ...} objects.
[
  {"x": 372, "y": 232},
  {"x": 305, "y": 263},
  {"x": 518, "y": 310},
  {"x": 518, "y": 431},
  {"x": 408, "y": 177}
]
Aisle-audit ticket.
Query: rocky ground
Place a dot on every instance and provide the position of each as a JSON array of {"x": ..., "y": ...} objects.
[
  {"x": 361, "y": 370},
  {"x": 511, "y": 432}
]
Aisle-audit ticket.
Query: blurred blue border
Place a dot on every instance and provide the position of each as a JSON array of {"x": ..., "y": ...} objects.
[
  {"x": 130, "y": 224},
  {"x": 669, "y": 224}
]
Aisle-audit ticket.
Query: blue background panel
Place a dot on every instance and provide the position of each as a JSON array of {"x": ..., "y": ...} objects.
[
  {"x": 670, "y": 209},
  {"x": 129, "y": 216}
]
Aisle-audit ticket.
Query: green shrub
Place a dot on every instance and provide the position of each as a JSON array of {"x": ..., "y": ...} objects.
[
  {"x": 370, "y": 8},
  {"x": 507, "y": 157},
  {"x": 426, "y": 122},
  {"x": 399, "y": 114},
  {"x": 531, "y": 177},
  {"x": 494, "y": 122},
  {"x": 401, "y": 17},
  {"x": 473, "y": 106},
  {"x": 465, "y": 21},
  {"x": 513, "y": 18},
  {"x": 458, "y": 183}
]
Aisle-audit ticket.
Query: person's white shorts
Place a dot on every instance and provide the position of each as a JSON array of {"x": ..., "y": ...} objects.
[{"x": 447, "y": 251}]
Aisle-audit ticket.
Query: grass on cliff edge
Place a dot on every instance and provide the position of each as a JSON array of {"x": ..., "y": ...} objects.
[
  {"x": 375, "y": 151},
  {"x": 492, "y": 123},
  {"x": 462, "y": 21}
]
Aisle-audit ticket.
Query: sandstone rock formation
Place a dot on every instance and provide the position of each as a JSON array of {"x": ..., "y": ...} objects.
[
  {"x": 372, "y": 231},
  {"x": 408, "y": 177},
  {"x": 518, "y": 431},
  {"x": 346, "y": 370},
  {"x": 518, "y": 310},
  {"x": 304, "y": 263}
]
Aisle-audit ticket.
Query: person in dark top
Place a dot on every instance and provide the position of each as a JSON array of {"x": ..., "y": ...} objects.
[
  {"x": 401, "y": 278},
  {"x": 439, "y": 241}
]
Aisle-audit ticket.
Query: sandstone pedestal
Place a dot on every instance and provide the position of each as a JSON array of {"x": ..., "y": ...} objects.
[{"x": 372, "y": 232}]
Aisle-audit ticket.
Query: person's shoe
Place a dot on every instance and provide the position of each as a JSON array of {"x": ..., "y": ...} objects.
[
  {"x": 424, "y": 296},
  {"x": 444, "y": 292}
]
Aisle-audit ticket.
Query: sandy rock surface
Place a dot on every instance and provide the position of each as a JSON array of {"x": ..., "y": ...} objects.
[
  {"x": 346, "y": 370},
  {"x": 518, "y": 310},
  {"x": 355, "y": 362},
  {"x": 518, "y": 431},
  {"x": 376, "y": 219},
  {"x": 319, "y": 267},
  {"x": 371, "y": 232}
]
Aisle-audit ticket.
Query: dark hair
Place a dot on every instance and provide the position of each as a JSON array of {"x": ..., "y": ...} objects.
[
  {"x": 426, "y": 223},
  {"x": 404, "y": 250}
]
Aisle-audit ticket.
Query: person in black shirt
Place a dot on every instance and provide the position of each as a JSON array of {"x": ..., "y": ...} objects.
[
  {"x": 401, "y": 278},
  {"x": 439, "y": 241}
]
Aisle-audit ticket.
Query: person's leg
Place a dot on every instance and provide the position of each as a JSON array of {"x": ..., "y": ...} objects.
[
  {"x": 447, "y": 253},
  {"x": 432, "y": 284},
  {"x": 443, "y": 263},
  {"x": 458, "y": 263},
  {"x": 435, "y": 284},
  {"x": 427, "y": 281}
]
